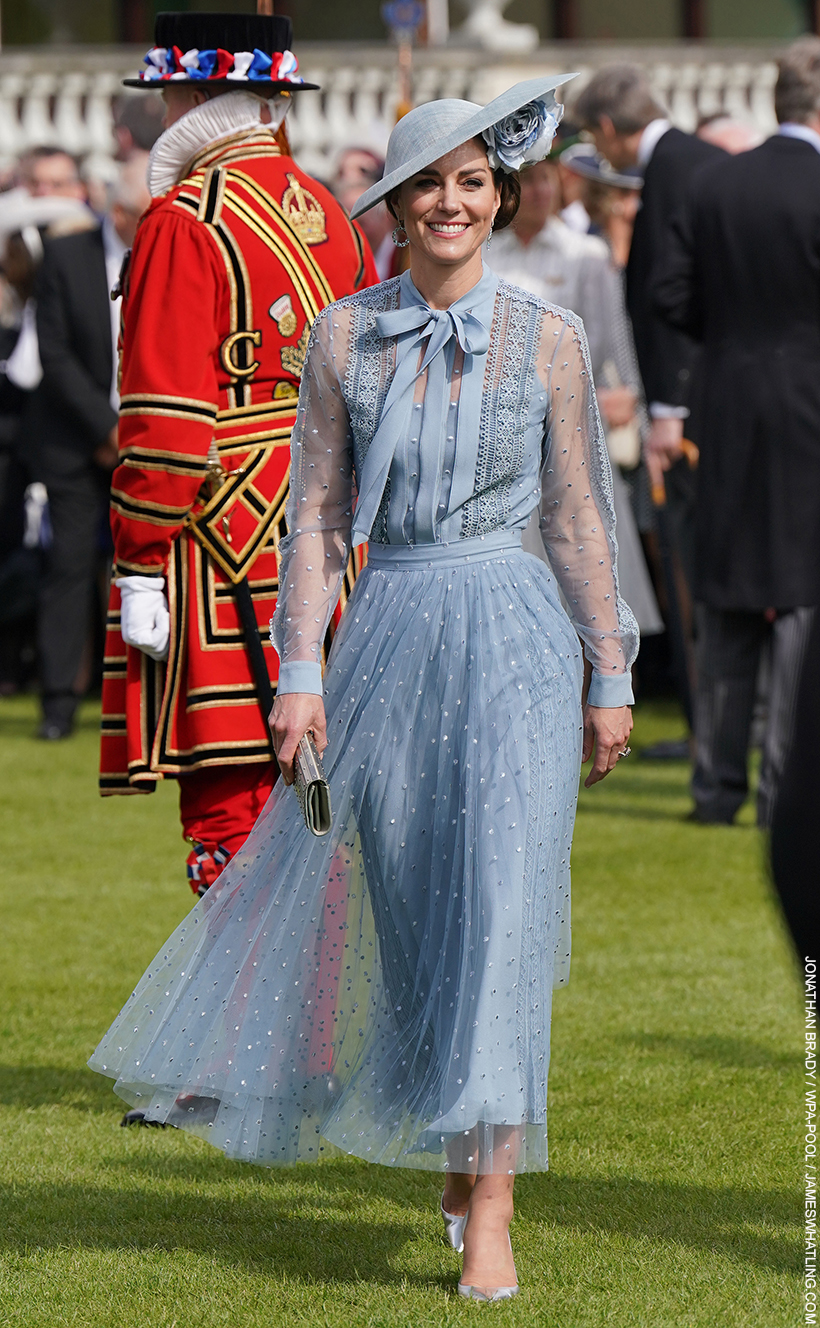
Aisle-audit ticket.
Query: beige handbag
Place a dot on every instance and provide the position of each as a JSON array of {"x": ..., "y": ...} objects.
[
  {"x": 623, "y": 442},
  {"x": 624, "y": 445}
]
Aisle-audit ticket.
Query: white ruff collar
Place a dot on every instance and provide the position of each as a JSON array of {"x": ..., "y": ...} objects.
[{"x": 202, "y": 127}]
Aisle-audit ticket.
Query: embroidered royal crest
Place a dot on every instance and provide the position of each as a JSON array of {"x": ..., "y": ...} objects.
[
  {"x": 293, "y": 357},
  {"x": 304, "y": 212},
  {"x": 281, "y": 311}
]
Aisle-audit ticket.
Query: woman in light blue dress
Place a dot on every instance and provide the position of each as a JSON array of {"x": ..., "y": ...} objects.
[{"x": 385, "y": 992}]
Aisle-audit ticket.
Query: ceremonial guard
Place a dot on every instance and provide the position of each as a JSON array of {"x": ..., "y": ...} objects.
[{"x": 235, "y": 257}]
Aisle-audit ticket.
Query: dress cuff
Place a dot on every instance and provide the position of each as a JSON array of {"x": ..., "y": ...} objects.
[
  {"x": 659, "y": 410},
  {"x": 300, "y": 676},
  {"x": 610, "y": 690}
]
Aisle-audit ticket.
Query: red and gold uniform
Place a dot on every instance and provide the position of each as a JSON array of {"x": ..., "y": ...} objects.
[{"x": 227, "y": 273}]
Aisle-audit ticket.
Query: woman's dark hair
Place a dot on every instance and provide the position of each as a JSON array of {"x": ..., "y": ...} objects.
[
  {"x": 510, "y": 190},
  {"x": 510, "y": 187}
]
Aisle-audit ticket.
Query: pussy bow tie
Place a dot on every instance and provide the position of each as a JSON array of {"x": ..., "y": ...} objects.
[{"x": 441, "y": 326}]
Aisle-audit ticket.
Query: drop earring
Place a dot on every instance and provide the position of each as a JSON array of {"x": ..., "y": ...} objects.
[
  {"x": 489, "y": 237},
  {"x": 400, "y": 244}
]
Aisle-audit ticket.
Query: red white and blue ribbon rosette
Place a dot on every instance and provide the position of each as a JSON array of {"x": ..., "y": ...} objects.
[
  {"x": 523, "y": 137},
  {"x": 169, "y": 64}
]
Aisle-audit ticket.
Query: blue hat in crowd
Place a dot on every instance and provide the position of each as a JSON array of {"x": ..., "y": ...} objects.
[{"x": 584, "y": 160}]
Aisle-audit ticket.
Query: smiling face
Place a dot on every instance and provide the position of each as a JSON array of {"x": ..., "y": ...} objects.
[{"x": 448, "y": 208}]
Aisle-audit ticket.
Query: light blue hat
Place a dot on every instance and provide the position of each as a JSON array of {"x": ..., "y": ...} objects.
[{"x": 518, "y": 128}]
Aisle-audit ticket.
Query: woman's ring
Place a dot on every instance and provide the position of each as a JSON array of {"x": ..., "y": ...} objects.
[{"x": 625, "y": 751}]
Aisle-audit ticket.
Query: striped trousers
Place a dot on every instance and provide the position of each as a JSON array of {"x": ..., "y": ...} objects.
[{"x": 730, "y": 646}]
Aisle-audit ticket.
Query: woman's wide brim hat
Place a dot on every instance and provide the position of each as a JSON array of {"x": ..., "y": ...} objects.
[
  {"x": 430, "y": 131},
  {"x": 583, "y": 160},
  {"x": 240, "y": 52}
]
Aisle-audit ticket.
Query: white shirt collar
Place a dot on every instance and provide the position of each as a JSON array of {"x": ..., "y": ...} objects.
[
  {"x": 576, "y": 217},
  {"x": 792, "y": 130},
  {"x": 114, "y": 251},
  {"x": 113, "y": 247},
  {"x": 543, "y": 239},
  {"x": 650, "y": 138}
]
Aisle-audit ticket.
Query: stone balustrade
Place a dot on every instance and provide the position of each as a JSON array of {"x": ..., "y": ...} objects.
[{"x": 64, "y": 95}]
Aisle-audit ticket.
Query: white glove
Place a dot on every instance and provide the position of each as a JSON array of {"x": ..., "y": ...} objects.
[{"x": 145, "y": 622}]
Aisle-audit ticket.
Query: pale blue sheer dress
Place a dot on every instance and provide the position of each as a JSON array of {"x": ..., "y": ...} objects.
[{"x": 386, "y": 991}]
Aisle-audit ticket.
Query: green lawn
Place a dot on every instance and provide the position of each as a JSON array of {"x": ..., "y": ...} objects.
[{"x": 674, "y": 1193}]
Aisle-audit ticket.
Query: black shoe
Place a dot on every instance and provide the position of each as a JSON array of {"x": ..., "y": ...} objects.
[
  {"x": 194, "y": 1110},
  {"x": 667, "y": 751},
  {"x": 58, "y": 715},
  {"x": 138, "y": 1118},
  {"x": 702, "y": 816},
  {"x": 53, "y": 730}
]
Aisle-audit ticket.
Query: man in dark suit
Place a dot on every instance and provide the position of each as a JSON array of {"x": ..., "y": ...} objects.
[
  {"x": 742, "y": 276},
  {"x": 794, "y": 825},
  {"x": 630, "y": 129},
  {"x": 72, "y": 426}
]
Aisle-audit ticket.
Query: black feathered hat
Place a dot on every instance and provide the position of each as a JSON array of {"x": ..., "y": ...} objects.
[{"x": 247, "y": 52}]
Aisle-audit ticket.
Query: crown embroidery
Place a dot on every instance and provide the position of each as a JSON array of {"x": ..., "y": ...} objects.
[
  {"x": 293, "y": 357},
  {"x": 304, "y": 212}
]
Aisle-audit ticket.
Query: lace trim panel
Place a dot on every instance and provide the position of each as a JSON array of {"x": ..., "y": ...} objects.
[
  {"x": 370, "y": 367},
  {"x": 504, "y": 408}
]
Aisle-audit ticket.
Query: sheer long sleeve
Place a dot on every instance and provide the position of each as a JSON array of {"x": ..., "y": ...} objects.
[
  {"x": 315, "y": 551},
  {"x": 577, "y": 515}
]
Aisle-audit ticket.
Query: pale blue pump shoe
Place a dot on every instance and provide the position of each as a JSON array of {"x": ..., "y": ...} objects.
[
  {"x": 487, "y": 1294},
  {"x": 453, "y": 1228},
  {"x": 454, "y": 1232}
]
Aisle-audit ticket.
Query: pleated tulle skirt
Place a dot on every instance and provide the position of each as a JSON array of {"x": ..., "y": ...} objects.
[{"x": 386, "y": 991}]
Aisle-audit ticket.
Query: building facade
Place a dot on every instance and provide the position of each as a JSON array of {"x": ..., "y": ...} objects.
[{"x": 29, "y": 22}]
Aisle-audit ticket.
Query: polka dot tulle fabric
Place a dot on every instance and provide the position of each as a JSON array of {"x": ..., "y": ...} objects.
[{"x": 385, "y": 991}]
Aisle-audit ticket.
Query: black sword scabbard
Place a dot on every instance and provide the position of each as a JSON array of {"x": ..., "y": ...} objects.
[{"x": 256, "y": 652}]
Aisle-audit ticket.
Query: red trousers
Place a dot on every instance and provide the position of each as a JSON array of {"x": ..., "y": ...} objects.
[{"x": 218, "y": 808}]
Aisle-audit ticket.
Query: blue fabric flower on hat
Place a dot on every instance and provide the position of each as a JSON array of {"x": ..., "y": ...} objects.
[{"x": 524, "y": 136}]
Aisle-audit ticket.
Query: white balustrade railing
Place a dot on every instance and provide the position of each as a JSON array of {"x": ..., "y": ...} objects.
[{"x": 65, "y": 96}]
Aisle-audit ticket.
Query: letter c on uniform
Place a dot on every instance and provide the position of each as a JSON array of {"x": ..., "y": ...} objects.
[{"x": 227, "y": 352}]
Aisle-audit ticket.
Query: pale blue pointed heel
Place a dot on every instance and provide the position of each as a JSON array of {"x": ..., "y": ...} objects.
[
  {"x": 453, "y": 1228},
  {"x": 487, "y": 1294}
]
